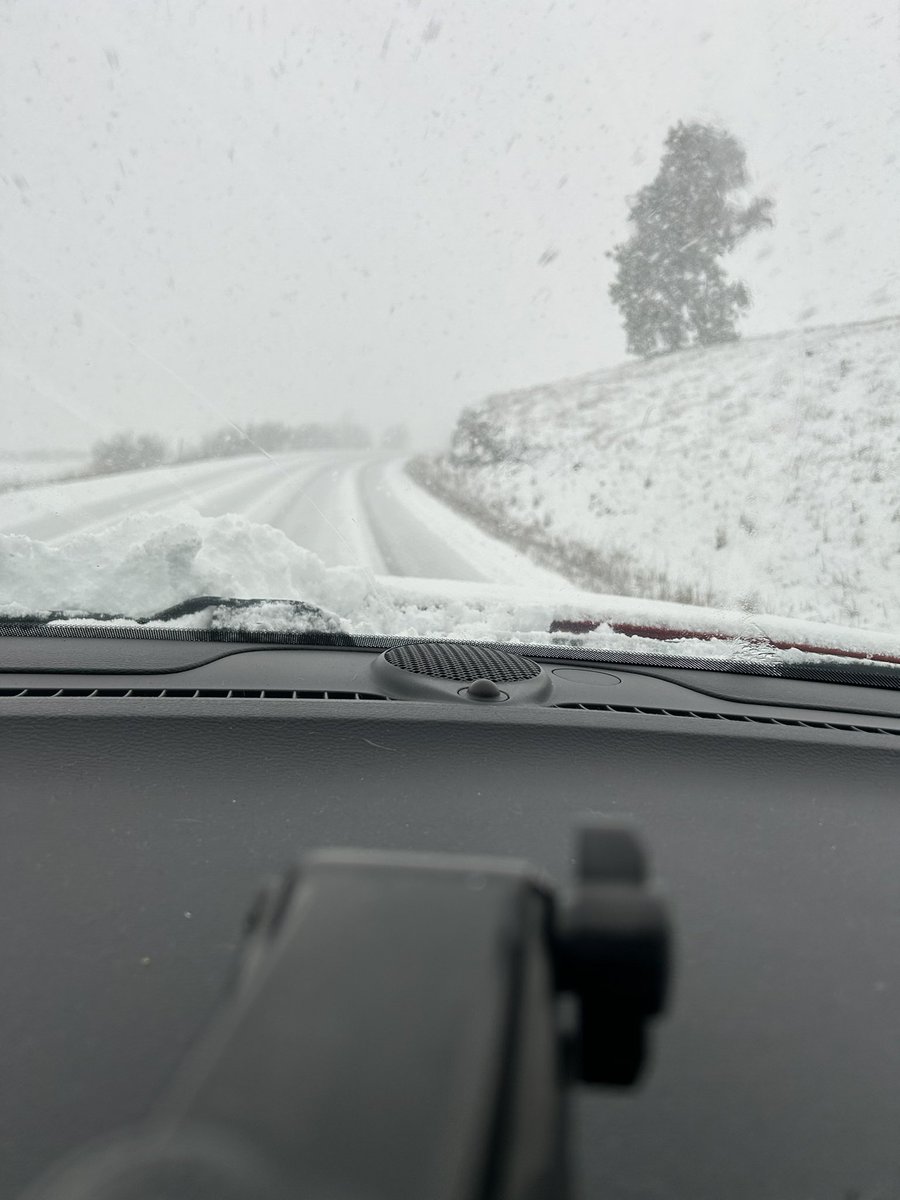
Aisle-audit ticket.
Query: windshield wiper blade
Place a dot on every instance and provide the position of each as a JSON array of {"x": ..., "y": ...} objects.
[
  {"x": 193, "y": 605},
  {"x": 215, "y": 614}
]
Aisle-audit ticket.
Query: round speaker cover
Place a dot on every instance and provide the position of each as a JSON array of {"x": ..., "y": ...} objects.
[{"x": 462, "y": 664}]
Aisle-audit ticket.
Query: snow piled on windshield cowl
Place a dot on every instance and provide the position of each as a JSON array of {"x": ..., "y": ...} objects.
[{"x": 150, "y": 562}]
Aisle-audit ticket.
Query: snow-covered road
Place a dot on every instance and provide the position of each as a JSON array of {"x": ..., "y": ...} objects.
[{"x": 349, "y": 508}]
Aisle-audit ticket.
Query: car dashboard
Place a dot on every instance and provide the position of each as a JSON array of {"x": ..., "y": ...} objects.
[{"x": 147, "y": 786}]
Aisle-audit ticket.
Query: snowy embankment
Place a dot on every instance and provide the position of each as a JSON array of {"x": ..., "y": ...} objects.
[{"x": 761, "y": 477}]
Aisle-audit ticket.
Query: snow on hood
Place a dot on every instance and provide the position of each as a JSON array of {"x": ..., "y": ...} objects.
[{"x": 149, "y": 562}]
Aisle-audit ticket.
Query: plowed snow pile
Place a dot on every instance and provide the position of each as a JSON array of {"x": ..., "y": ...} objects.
[{"x": 763, "y": 475}]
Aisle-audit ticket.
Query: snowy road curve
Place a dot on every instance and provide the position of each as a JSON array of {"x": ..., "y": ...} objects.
[{"x": 349, "y": 508}]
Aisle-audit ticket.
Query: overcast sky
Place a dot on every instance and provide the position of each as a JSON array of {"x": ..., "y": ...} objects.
[{"x": 390, "y": 208}]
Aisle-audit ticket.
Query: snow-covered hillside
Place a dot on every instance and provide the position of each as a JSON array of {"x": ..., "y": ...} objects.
[{"x": 762, "y": 475}]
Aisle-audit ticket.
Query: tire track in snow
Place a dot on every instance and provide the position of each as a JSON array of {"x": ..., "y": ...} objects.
[
  {"x": 421, "y": 536},
  {"x": 325, "y": 516},
  {"x": 406, "y": 543}
]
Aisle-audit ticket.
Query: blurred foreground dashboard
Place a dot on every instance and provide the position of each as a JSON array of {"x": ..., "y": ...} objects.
[{"x": 145, "y": 787}]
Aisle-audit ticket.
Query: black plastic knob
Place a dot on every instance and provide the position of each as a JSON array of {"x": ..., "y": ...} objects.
[{"x": 484, "y": 689}]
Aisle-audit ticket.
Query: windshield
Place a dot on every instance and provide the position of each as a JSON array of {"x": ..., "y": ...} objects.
[{"x": 525, "y": 321}]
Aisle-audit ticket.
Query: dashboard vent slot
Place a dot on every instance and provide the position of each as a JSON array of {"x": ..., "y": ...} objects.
[
  {"x": 793, "y": 722},
  {"x": 173, "y": 693},
  {"x": 461, "y": 663}
]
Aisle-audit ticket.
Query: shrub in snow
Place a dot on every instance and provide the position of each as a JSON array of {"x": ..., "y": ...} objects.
[{"x": 127, "y": 452}]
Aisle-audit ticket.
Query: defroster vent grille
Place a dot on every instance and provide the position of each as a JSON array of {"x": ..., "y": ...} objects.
[
  {"x": 460, "y": 663},
  {"x": 182, "y": 693},
  {"x": 747, "y": 718}
]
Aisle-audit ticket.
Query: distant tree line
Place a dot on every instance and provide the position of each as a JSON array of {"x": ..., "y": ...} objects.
[{"x": 274, "y": 436}]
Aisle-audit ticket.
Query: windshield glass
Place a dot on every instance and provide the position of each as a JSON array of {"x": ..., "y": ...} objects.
[{"x": 526, "y": 321}]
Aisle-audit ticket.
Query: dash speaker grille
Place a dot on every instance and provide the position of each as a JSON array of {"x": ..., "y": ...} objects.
[{"x": 447, "y": 660}]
